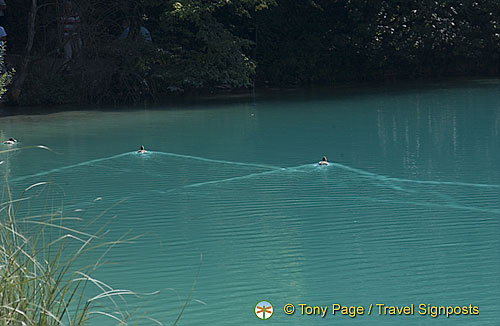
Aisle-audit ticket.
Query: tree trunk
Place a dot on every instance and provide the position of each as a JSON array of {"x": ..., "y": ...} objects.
[{"x": 20, "y": 77}]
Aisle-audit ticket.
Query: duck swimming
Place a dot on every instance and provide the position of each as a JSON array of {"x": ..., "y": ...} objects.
[
  {"x": 324, "y": 161},
  {"x": 142, "y": 150},
  {"x": 10, "y": 141}
]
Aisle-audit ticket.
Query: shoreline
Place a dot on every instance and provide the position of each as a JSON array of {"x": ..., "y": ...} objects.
[{"x": 207, "y": 96}]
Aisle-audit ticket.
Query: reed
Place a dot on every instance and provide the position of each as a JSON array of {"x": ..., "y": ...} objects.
[{"x": 41, "y": 280}]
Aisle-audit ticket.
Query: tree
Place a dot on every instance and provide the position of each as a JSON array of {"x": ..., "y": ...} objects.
[{"x": 199, "y": 44}]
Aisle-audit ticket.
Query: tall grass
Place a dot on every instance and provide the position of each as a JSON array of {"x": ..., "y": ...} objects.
[{"x": 41, "y": 280}]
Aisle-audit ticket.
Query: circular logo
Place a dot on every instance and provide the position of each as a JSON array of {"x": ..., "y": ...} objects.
[
  {"x": 289, "y": 309},
  {"x": 264, "y": 309}
]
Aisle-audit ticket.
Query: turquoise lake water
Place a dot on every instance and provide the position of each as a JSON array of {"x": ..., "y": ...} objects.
[{"x": 230, "y": 195}]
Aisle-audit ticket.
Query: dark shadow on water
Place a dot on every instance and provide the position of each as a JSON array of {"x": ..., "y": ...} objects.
[{"x": 220, "y": 99}]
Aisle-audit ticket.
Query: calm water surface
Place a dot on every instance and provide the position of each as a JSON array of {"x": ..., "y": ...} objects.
[{"x": 408, "y": 213}]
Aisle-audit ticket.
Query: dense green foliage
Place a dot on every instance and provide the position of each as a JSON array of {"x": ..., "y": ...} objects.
[
  {"x": 233, "y": 43},
  {"x": 5, "y": 76},
  {"x": 359, "y": 39}
]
